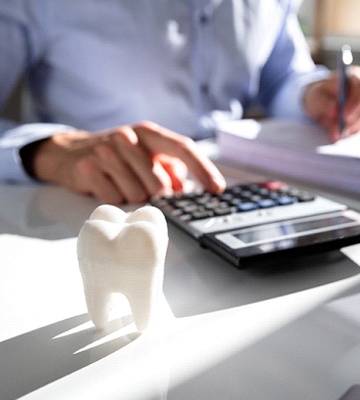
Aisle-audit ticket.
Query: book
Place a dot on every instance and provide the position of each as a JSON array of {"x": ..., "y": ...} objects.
[{"x": 298, "y": 150}]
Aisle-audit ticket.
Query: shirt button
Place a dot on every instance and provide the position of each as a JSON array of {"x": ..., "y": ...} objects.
[
  {"x": 204, "y": 19},
  {"x": 204, "y": 88}
]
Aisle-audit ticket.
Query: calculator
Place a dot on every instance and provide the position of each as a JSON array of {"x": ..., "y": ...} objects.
[{"x": 260, "y": 223}]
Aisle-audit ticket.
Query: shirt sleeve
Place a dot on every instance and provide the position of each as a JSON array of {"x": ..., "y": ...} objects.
[
  {"x": 287, "y": 72},
  {"x": 20, "y": 46},
  {"x": 288, "y": 103},
  {"x": 11, "y": 141}
]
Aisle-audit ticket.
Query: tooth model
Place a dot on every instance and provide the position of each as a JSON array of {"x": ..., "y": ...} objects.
[{"x": 123, "y": 253}]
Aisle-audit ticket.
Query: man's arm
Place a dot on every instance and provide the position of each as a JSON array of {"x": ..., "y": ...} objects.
[
  {"x": 292, "y": 86},
  {"x": 288, "y": 71},
  {"x": 20, "y": 48}
]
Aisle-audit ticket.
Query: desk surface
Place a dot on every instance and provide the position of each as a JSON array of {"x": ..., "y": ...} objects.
[{"x": 290, "y": 332}]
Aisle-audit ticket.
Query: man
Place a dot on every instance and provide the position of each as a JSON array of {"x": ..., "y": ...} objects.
[{"x": 96, "y": 68}]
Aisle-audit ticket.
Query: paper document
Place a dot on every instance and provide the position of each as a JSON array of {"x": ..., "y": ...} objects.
[
  {"x": 294, "y": 149},
  {"x": 347, "y": 147}
]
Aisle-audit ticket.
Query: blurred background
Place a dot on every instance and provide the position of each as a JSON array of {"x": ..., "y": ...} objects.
[{"x": 328, "y": 24}]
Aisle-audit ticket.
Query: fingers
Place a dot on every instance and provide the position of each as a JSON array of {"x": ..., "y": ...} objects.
[
  {"x": 321, "y": 103},
  {"x": 108, "y": 177},
  {"x": 121, "y": 175},
  {"x": 159, "y": 140},
  {"x": 149, "y": 173},
  {"x": 352, "y": 107},
  {"x": 90, "y": 179},
  {"x": 116, "y": 169}
]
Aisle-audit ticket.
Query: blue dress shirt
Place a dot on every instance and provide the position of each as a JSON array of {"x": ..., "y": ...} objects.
[{"x": 185, "y": 64}]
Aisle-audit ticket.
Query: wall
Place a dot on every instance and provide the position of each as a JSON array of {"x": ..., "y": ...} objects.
[{"x": 329, "y": 24}]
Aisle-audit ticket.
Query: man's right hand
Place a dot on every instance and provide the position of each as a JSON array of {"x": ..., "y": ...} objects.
[{"x": 126, "y": 164}]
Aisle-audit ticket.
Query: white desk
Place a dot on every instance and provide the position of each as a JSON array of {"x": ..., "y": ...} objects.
[{"x": 255, "y": 334}]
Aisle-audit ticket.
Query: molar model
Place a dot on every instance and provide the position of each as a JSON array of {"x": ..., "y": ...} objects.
[{"x": 123, "y": 253}]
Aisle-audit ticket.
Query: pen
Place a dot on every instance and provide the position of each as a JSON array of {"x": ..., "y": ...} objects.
[{"x": 344, "y": 60}]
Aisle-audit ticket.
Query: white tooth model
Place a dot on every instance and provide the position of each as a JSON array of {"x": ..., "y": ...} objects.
[{"x": 123, "y": 253}]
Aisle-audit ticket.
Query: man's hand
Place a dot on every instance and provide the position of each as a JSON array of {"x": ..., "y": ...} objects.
[
  {"x": 127, "y": 164},
  {"x": 321, "y": 103}
]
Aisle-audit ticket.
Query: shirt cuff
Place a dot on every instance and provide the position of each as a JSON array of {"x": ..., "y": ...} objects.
[
  {"x": 289, "y": 101},
  {"x": 11, "y": 168}
]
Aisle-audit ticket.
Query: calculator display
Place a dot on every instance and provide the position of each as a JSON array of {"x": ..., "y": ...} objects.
[
  {"x": 285, "y": 229},
  {"x": 287, "y": 233}
]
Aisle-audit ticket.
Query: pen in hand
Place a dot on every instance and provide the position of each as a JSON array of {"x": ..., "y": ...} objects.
[{"x": 345, "y": 59}]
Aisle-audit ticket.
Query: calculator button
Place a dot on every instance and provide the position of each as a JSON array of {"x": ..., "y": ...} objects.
[
  {"x": 185, "y": 217},
  {"x": 203, "y": 199},
  {"x": 305, "y": 196},
  {"x": 183, "y": 203},
  {"x": 255, "y": 198},
  {"x": 202, "y": 214},
  {"x": 285, "y": 200},
  {"x": 176, "y": 212},
  {"x": 294, "y": 192},
  {"x": 245, "y": 194},
  {"x": 226, "y": 197},
  {"x": 246, "y": 206},
  {"x": 190, "y": 208},
  {"x": 222, "y": 211},
  {"x": 267, "y": 203}
]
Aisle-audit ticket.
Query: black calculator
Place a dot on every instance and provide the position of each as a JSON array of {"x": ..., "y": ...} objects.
[{"x": 258, "y": 223}]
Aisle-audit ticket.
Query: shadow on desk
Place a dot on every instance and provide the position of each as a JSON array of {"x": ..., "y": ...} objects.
[
  {"x": 47, "y": 354},
  {"x": 316, "y": 356}
]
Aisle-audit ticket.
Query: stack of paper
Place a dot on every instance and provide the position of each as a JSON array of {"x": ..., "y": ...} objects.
[{"x": 294, "y": 149}]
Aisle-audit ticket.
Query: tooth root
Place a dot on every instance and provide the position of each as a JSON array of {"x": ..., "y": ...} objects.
[
  {"x": 143, "y": 299},
  {"x": 125, "y": 254},
  {"x": 141, "y": 310},
  {"x": 145, "y": 284},
  {"x": 98, "y": 302}
]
